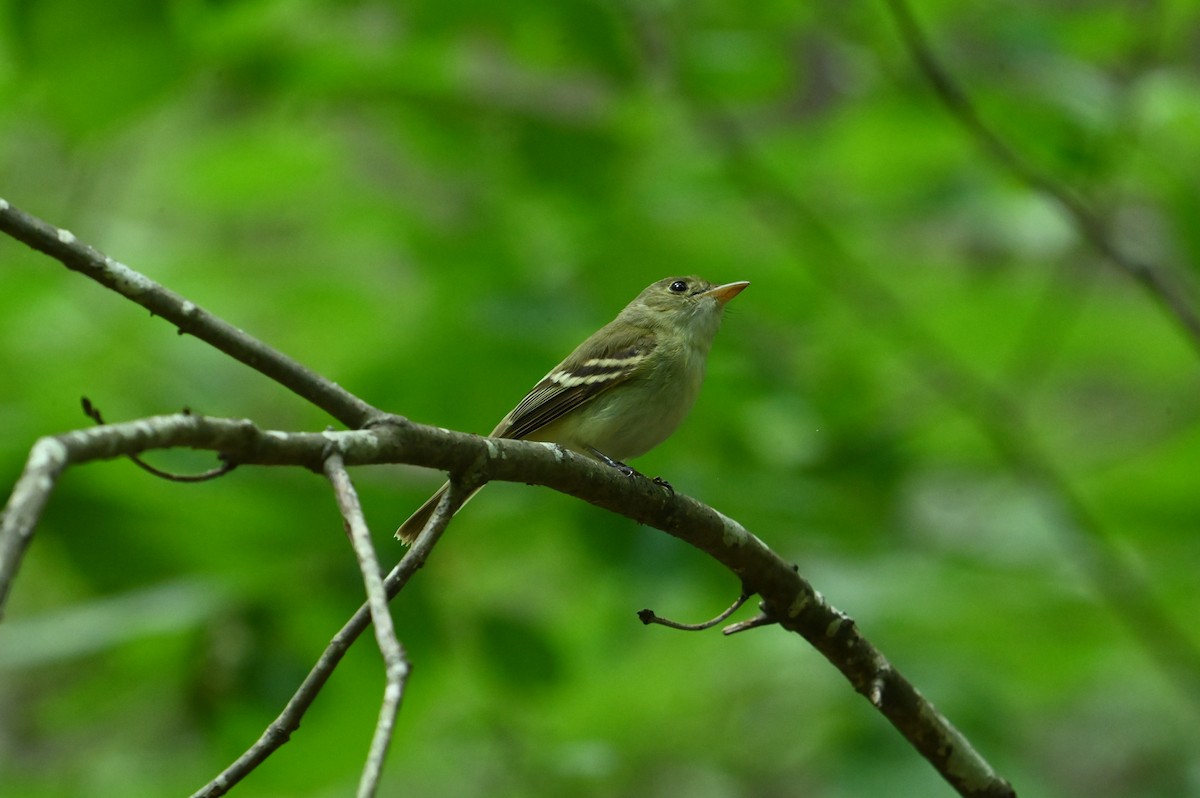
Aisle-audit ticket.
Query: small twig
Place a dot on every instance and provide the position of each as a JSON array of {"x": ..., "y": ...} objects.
[
  {"x": 395, "y": 661},
  {"x": 758, "y": 621},
  {"x": 648, "y": 617},
  {"x": 93, "y": 412}
]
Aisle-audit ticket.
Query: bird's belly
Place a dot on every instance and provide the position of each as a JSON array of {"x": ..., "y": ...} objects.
[{"x": 629, "y": 421}]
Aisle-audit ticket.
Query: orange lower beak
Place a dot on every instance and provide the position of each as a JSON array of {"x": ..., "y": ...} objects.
[{"x": 724, "y": 293}]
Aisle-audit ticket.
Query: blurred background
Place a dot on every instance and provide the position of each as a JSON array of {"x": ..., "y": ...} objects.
[{"x": 969, "y": 430}]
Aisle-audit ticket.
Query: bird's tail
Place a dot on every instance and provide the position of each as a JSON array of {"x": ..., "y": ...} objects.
[{"x": 416, "y": 522}]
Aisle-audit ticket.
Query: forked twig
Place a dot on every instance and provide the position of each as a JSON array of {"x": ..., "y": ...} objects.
[{"x": 280, "y": 730}]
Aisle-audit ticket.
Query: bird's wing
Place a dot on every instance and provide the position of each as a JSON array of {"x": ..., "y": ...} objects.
[{"x": 578, "y": 380}]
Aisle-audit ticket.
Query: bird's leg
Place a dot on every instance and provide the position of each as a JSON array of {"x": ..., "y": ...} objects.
[
  {"x": 625, "y": 470},
  {"x": 629, "y": 471}
]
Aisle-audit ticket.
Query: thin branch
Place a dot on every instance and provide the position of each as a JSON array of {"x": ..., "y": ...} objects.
[
  {"x": 186, "y": 316},
  {"x": 756, "y": 622},
  {"x": 1153, "y": 278},
  {"x": 46, "y": 462},
  {"x": 288, "y": 721},
  {"x": 648, "y": 617},
  {"x": 51, "y": 455},
  {"x": 394, "y": 659},
  {"x": 93, "y": 412}
]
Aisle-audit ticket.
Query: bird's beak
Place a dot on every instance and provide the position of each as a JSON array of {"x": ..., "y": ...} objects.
[{"x": 724, "y": 293}]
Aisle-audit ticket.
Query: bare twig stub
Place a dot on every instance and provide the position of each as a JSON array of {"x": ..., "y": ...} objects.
[{"x": 648, "y": 617}]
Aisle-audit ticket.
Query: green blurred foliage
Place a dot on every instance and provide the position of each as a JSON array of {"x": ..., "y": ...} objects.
[{"x": 431, "y": 203}]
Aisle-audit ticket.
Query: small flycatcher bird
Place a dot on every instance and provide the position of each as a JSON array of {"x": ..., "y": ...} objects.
[{"x": 625, "y": 389}]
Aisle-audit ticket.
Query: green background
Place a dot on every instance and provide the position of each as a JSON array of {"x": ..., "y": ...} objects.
[{"x": 431, "y": 203}]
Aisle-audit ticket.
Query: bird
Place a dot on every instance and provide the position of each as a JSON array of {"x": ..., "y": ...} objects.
[{"x": 626, "y": 388}]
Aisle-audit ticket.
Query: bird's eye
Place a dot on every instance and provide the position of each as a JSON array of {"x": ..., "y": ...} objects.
[{"x": 678, "y": 287}]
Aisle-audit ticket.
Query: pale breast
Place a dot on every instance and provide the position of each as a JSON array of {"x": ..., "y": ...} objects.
[{"x": 631, "y": 419}]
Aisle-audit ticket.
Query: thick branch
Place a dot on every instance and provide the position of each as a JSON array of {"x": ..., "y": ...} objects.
[{"x": 787, "y": 598}]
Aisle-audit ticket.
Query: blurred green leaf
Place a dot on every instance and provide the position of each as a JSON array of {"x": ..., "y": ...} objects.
[{"x": 432, "y": 203}]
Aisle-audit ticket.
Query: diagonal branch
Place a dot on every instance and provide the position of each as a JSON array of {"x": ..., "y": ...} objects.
[
  {"x": 45, "y": 465},
  {"x": 394, "y": 658},
  {"x": 1002, "y": 420},
  {"x": 187, "y": 316},
  {"x": 1153, "y": 278},
  {"x": 281, "y": 729}
]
